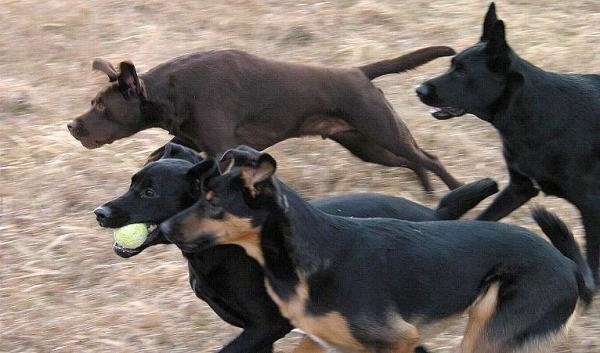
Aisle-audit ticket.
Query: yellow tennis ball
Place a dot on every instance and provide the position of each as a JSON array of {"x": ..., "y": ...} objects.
[{"x": 131, "y": 236}]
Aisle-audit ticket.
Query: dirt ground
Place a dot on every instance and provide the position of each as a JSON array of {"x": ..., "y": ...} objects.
[{"x": 62, "y": 288}]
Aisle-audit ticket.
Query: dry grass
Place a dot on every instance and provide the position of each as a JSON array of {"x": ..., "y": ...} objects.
[{"x": 61, "y": 286}]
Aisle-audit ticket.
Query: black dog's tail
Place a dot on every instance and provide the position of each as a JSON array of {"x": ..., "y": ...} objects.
[
  {"x": 405, "y": 62},
  {"x": 460, "y": 200},
  {"x": 562, "y": 238}
]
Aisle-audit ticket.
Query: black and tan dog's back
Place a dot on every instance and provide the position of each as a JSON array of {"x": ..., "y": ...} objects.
[
  {"x": 383, "y": 285},
  {"x": 221, "y": 99},
  {"x": 549, "y": 124}
]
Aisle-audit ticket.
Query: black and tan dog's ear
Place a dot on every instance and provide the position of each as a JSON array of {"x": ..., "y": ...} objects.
[
  {"x": 236, "y": 157},
  {"x": 203, "y": 171},
  {"x": 129, "y": 83},
  {"x": 489, "y": 22},
  {"x": 106, "y": 67},
  {"x": 258, "y": 172}
]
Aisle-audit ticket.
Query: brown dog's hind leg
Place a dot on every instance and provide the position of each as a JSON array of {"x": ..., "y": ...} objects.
[
  {"x": 369, "y": 151},
  {"x": 372, "y": 116}
]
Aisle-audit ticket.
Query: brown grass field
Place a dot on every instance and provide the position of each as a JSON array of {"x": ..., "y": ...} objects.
[{"x": 63, "y": 289}]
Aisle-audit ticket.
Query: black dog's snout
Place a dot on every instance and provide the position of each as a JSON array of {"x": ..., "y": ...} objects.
[
  {"x": 102, "y": 213},
  {"x": 424, "y": 90}
]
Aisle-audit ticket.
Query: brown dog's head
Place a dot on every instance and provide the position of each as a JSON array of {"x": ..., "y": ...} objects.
[{"x": 116, "y": 110}]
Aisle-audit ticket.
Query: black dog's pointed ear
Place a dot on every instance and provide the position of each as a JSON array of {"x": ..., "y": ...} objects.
[
  {"x": 106, "y": 67},
  {"x": 494, "y": 37},
  {"x": 496, "y": 42},
  {"x": 489, "y": 22},
  {"x": 258, "y": 172},
  {"x": 129, "y": 83},
  {"x": 497, "y": 49}
]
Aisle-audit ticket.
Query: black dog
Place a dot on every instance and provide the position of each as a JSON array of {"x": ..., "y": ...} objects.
[
  {"x": 549, "y": 124},
  {"x": 224, "y": 276},
  {"x": 380, "y": 285},
  {"x": 220, "y": 99}
]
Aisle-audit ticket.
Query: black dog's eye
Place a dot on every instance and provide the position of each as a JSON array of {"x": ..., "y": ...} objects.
[{"x": 148, "y": 193}]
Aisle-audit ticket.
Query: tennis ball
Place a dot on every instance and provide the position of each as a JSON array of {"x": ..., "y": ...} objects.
[{"x": 132, "y": 235}]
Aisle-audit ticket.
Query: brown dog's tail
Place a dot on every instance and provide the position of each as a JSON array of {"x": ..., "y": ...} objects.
[{"x": 405, "y": 62}]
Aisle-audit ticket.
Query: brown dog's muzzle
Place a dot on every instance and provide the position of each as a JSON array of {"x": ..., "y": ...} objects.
[{"x": 77, "y": 129}]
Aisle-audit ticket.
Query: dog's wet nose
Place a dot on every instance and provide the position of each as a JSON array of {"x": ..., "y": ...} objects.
[
  {"x": 72, "y": 125},
  {"x": 102, "y": 213},
  {"x": 166, "y": 229},
  {"x": 423, "y": 90}
]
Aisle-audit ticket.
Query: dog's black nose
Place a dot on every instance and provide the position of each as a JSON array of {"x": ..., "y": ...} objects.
[
  {"x": 102, "y": 213},
  {"x": 423, "y": 90},
  {"x": 165, "y": 229}
]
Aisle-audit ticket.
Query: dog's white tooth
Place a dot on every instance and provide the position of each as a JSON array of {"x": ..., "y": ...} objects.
[{"x": 152, "y": 227}]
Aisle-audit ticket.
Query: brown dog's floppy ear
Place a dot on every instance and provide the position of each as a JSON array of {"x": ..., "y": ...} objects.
[
  {"x": 106, "y": 67},
  {"x": 258, "y": 172},
  {"x": 129, "y": 83}
]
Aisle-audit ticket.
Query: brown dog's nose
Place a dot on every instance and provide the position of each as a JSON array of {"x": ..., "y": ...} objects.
[{"x": 72, "y": 125}]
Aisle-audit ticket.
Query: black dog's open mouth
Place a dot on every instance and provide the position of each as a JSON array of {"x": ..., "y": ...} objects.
[
  {"x": 443, "y": 113},
  {"x": 153, "y": 232}
]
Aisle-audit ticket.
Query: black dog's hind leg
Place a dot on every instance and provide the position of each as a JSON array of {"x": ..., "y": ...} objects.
[
  {"x": 519, "y": 190},
  {"x": 591, "y": 222}
]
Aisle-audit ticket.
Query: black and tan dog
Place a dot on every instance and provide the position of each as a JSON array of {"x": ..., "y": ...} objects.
[
  {"x": 223, "y": 276},
  {"x": 220, "y": 99},
  {"x": 383, "y": 285},
  {"x": 549, "y": 124}
]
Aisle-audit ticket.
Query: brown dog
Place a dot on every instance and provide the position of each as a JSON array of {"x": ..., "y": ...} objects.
[{"x": 220, "y": 99}]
